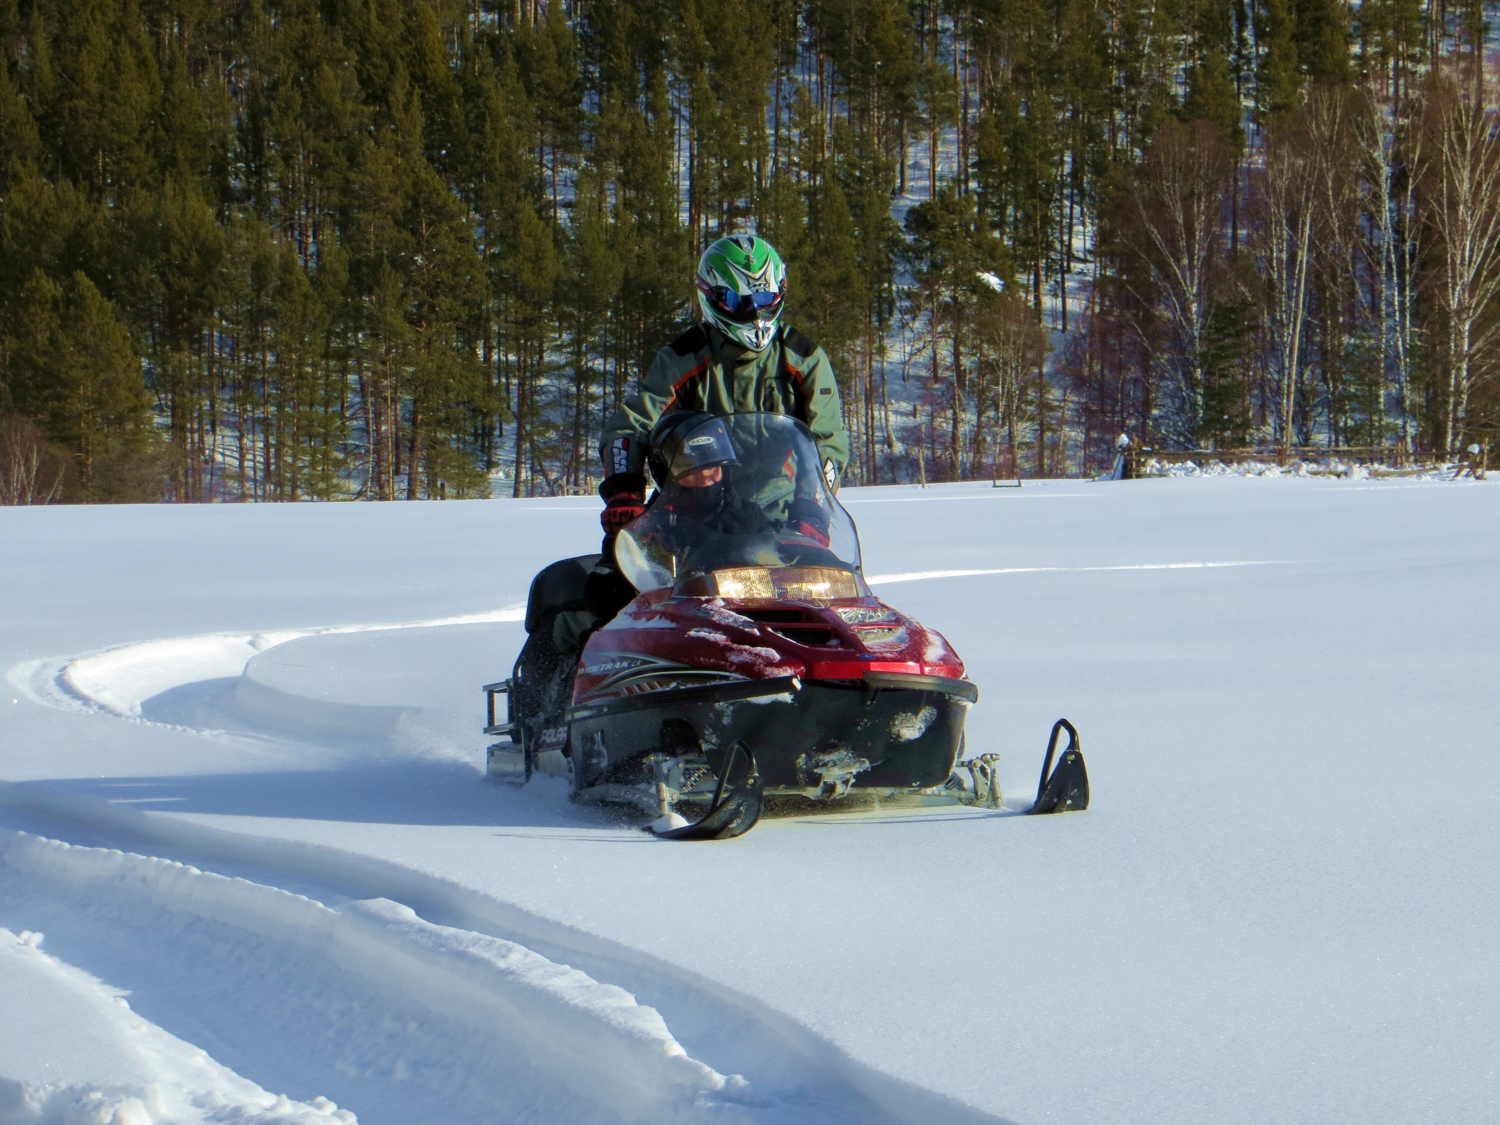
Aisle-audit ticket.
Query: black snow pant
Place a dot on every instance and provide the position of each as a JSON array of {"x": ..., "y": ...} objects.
[{"x": 569, "y": 599}]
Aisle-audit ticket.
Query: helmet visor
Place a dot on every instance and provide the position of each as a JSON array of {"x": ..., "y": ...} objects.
[
  {"x": 704, "y": 445},
  {"x": 743, "y": 308}
]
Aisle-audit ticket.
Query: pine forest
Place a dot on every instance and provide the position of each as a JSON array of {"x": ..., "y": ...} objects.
[{"x": 403, "y": 249}]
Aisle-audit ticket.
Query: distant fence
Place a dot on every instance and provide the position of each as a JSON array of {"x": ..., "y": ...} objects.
[{"x": 1364, "y": 454}]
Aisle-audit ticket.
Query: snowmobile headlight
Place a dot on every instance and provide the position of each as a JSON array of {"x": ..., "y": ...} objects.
[
  {"x": 814, "y": 583},
  {"x": 867, "y": 615},
  {"x": 882, "y": 636},
  {"x": 784, "y": 583},
  {"x": 744, "y": 582}
]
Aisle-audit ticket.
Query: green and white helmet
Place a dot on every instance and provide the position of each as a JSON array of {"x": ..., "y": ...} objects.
[{"x": 741, "y": 287}]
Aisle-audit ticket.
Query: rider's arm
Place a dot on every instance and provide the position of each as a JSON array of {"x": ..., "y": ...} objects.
[
  {"x": 628, "y": 430},
  {"x": 825, "y": 415}
]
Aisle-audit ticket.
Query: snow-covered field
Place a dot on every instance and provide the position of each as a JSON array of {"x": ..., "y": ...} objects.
[{"x": 250, "y": 870}]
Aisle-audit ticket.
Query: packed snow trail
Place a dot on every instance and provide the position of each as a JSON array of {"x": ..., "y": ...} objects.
[
  {"x": 140, "y": 1074},
  {"x": 1275, "y": 910},
  {"x": 421, "y": 1014},
  {"x": 387, "y": 1007}
]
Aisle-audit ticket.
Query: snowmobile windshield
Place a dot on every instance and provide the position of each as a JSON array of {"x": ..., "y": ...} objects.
[{"x": 758, "y": 522}]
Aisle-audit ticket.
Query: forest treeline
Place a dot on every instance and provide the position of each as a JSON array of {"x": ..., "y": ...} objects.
[{"x": 383, "y": 249}]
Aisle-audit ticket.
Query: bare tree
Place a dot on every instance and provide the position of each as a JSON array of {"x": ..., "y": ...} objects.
[
  {"x": 1011, "y": 348},
  {"x": 1393, "y": 155},
  {"x": 1462, "y": 207},
  {"x": 29, "y": 472},
  {"x": 1283, "y": 249},
  {"x": 1337, "y": 238},
  {"x": 1406, "y": 253},
  {"x": 1174, "y": 228}
]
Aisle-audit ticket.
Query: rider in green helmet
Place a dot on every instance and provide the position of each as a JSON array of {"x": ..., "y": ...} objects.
[
  {"x": 741, "y": 358},
  {"x": 741, "y": 287}
]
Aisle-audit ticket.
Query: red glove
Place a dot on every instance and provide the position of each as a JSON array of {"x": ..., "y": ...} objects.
[
  {"x": 622, "y": 509},
  {"x": 624, "y": 500},
  {"x": 809, "y": 531},
  {"x": 809, "y": 521}
]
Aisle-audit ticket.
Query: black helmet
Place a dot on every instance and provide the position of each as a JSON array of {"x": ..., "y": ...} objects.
[{"x": 685, "y": 440}]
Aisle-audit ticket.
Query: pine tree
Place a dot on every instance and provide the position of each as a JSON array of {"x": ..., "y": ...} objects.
[
  {"x": 349, "y": 244},
  {"x": 20, "y": 143},
  {"x": 1279, "y": 81},
  {"x": 951, "y": 248},
  {"x": 71, "y": 366}
]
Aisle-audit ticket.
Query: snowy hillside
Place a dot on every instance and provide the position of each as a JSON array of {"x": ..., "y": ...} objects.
[{"x": 250, "y": 870}]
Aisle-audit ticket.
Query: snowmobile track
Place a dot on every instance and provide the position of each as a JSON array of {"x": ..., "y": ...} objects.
[{"x": 435, "y": 990}]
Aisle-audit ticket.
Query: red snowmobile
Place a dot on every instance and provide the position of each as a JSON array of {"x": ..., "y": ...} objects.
[{"x": 754, "y": 662}]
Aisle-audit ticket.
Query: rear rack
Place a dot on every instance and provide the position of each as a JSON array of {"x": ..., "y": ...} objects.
[
  {"x": 509, "y": 762},
  {"x": 490, "y": 691}
]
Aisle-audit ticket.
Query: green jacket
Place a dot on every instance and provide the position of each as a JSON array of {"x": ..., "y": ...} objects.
[{"x": 703, "y": 370}]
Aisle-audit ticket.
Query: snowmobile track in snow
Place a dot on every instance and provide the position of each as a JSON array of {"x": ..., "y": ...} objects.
[
  {"x": 405, "y": 989},
  {"x": 411, "y": 988}
]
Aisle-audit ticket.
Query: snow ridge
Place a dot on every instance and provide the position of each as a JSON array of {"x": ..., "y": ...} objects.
[
  {"x": 813, "y": 1080},
  {"x": 184, "y": 1086},
  {"x": 116, "y": 679},
  {"x": 517, "y": 1006}
]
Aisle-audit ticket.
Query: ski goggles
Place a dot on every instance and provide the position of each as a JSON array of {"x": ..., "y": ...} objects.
[{"x": 742, "y": 307}]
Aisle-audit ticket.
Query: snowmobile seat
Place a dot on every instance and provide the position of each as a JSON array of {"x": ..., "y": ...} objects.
[{"x": 558, "y": 586}]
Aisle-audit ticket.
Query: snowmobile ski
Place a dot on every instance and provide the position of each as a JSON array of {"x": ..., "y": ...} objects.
[
  {"x": 731, "y": 813},
  {"x": 1066, "y": 788}
]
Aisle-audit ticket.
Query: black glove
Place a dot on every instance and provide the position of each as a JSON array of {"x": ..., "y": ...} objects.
[{"x": 607, "y": 591}]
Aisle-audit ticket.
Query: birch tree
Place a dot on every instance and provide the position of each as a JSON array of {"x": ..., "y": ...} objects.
[
  {"x": 1463, "y": 210},
  {"x": 1283, "y": 250},
  {"x": 1338, "y": 243},
  {"x": 1392, "y": 154},
  {"x": 1174, "y": 227}
]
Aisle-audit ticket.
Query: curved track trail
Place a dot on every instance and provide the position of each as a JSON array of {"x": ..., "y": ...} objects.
[
  {"x": 251, "y": 871},
  {"x": 378, "y": 983}
]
